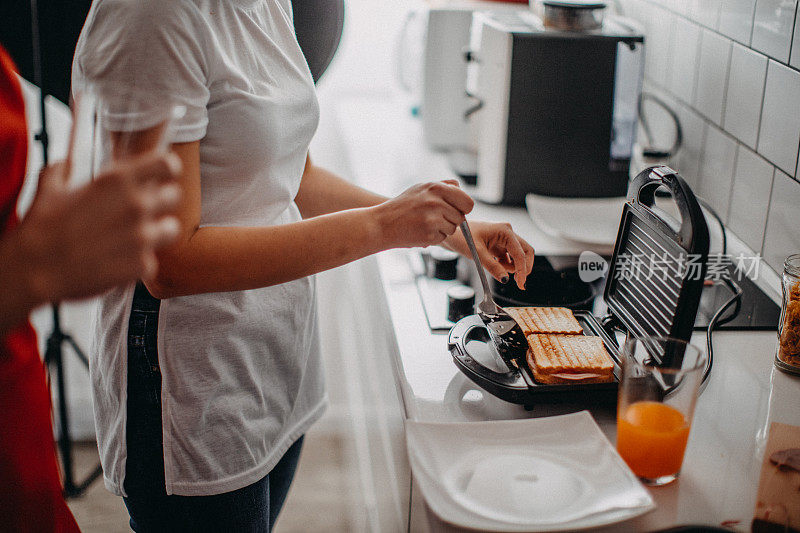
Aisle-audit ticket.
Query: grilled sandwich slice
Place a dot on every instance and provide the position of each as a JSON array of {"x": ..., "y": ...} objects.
[
  {"x": 534, "y": 320},
  {"x": 569, "y": 359}
]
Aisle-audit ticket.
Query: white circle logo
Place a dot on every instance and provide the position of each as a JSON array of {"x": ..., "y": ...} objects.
[{"x": 591, "y": 266}]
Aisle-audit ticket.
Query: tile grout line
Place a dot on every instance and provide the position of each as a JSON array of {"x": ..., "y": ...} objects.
[
  {"x": 769, "y": 209},
  {"x": 753, "y": 25},
  {"x": 796, "y": 159},
  {"x": 697, "y": 56},
  {"x": 725, "y": 85},
  {"x": 791, "y": 37},
  {"x": 733, "y": 182},
  {"x": 701, "y": 158},
  {"x": 761, "y": 107}
]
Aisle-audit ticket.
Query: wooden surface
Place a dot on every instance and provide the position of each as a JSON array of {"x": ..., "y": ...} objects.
[{"x": 778, "y": 502}]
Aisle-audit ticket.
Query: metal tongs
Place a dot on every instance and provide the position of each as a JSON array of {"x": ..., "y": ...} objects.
[{"x": 505, "y": 332}]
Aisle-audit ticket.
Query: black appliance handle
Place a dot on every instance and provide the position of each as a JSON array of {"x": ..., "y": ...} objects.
[{"x": 642, "y": 191}]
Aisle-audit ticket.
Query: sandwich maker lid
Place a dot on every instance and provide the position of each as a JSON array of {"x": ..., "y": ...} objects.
[{"x": 658, "y": 268}]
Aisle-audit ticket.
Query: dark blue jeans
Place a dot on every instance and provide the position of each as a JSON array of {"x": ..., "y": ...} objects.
[{"x": 250, "y": 509}]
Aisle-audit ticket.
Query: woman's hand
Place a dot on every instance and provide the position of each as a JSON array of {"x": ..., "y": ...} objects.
[
  {"x": 501, "y": 251},
  {"x": 423, "y": 215}
]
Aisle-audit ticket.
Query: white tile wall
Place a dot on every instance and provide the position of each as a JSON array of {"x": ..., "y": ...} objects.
[
  {"x": 736, "y": 19},
  {"x": 772, "y": 27},
  {"x": 678, "y": 6},
  {"x": 716, "y": 169},
  {"x": 752, "y": 185},
  {"x": 748, "y": 72},
  {"x": 660, "y": 26},
  {"x": 732, "y": 75},
  {"x": 731, "y": 71},
  {"x": 706, "y": 12},
  {"x": 687, "y": 160},
  {"x": 684, "y": 59},
  {"x": 712, "y": 76},
  {"x": 780, "y": 117},
  {"x": 782, "y": 237}
]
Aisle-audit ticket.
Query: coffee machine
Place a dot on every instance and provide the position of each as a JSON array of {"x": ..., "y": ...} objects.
[
  {"x": 555, "y": 102},
  {"x": 446, "y": 127}
]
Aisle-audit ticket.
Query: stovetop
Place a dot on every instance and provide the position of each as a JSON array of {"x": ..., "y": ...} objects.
[{"x": 555, "y": 281}]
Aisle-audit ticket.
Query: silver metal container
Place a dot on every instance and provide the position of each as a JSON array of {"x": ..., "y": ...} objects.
[{"x": 573, "y": 16}]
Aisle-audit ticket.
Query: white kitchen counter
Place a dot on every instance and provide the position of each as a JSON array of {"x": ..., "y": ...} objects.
[{"x": 720, "y": 474}]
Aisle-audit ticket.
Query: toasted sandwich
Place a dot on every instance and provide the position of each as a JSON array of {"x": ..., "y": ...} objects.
[{"x": 569, "y": 359}]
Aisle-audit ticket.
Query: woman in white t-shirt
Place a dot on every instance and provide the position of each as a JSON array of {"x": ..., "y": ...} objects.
[{"x": 206, "y": 376}]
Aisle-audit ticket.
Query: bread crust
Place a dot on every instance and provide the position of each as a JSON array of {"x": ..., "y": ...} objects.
[
  {"x": 549, "y": 379},
  {"x": 534, "y": 320}
]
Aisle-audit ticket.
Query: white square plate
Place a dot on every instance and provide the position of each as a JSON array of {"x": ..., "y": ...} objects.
[{"x": 544, "y": 474}]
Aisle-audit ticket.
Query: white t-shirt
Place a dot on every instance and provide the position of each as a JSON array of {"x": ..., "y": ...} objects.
[{"x": 241, "y": 371}]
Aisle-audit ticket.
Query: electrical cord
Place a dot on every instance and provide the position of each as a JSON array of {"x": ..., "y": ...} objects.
[
  {"x": 676, "y": 145},
  {"x": 714, "y": 214},
  {"x": 717, "y": 320}
]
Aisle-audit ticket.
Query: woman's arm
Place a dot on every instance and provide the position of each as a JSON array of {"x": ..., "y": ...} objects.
[
  {"x": 322, "y": 192},
  {"x": 502, "y": 252},
  {"x": 214, "y": 259},
  {"x": 77, "y": 243}
]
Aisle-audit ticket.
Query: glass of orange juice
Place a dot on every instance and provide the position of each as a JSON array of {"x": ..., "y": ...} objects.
[{"x": 658, "y": 391}]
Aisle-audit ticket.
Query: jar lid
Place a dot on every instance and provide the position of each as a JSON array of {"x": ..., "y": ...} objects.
[{"x": 792, "y": 265}]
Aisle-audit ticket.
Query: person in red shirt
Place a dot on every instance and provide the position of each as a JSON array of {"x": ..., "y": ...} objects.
[{"x": 72, "y": 243}]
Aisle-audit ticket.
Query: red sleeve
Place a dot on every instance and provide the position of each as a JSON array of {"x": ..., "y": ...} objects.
[
  {"x": 30, "y": 490},
  {"x": 13, "y": 141}
]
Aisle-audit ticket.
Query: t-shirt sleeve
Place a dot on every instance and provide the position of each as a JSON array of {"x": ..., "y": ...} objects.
[{"x": 152, "y": 47}]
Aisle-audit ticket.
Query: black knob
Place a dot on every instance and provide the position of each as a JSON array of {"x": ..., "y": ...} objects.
[
  {"x": 442, "y": 264},
  {"x": 460, "y": 302}
]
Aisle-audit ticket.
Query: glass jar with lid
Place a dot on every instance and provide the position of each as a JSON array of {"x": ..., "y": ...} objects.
[{"x": 788, "y": 355}]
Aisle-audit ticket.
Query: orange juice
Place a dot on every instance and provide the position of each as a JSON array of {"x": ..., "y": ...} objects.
[{"x": 651, "y": 437}]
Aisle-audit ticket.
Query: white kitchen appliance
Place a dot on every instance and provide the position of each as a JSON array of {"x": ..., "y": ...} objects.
[
  {"x": 445, "y": 103},
  {"x": 554, "y": 109}
]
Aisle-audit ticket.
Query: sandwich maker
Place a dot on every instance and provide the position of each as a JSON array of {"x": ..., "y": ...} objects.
[{"x": 653, "y": 289}]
